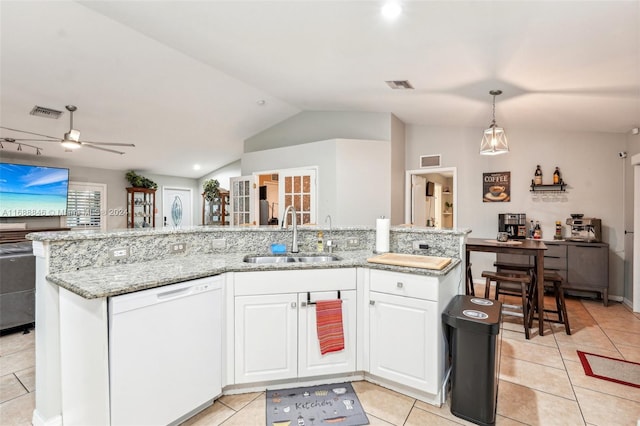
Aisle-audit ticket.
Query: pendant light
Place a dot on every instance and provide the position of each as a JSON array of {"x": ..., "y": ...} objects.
[{"x": 494, "y": 139}]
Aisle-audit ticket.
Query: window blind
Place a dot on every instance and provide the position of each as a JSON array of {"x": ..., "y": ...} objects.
[{"x": 83, "y": 208}]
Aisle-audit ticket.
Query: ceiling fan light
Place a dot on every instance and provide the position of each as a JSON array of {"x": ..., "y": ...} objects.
[
  {"x": 73, "y": 135},
  {"x": 69, "y": 143}
]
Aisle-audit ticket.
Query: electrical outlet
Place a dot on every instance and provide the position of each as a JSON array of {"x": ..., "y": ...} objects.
[
  {"x": 420, "y": 245},
  {"x": 178, "y": 247},
  {"x": 352, "y": 242},
  {"x": 219, "y": 243},
  {"x": 119, "y": 253}
]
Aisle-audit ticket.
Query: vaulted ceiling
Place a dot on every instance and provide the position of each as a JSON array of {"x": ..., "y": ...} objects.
[{"x": 184, "y": 80}]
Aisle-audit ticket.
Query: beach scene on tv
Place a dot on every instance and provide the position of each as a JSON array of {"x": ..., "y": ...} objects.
[{"x": 33, "y": 190}]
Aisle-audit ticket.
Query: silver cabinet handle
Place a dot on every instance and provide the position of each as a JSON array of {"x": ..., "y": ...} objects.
[
  {"x": 400, "y": 285},
  {"x": 303, "y": 304},
  {"x": 372, "y": 302},
  {"x": 293, "y": 304}
]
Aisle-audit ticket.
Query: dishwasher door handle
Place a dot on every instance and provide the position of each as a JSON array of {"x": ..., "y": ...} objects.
[{"x": 174, "y": 293}]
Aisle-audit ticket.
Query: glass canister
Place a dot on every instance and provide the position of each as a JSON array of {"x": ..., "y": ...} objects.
[{"x": 558, "y": 234}]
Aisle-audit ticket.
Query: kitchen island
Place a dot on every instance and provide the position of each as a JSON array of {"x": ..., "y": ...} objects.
[{"x": 78, "y": 277}]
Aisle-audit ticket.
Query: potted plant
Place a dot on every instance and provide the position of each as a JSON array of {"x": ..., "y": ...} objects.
[
  {"x": 137, "y": 181},
  {"x": 211, "y": 189},
  {"x": 447, "y": 206},
  {"x": 211, "y": 192}
]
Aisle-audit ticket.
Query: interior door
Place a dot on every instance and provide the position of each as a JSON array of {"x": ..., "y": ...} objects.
[
  {"x": 242, "y": 200},
  {"x": 177, "y": 207},
  {"x": 297, "y": 187},
  {"x": 418, "y": 200}
]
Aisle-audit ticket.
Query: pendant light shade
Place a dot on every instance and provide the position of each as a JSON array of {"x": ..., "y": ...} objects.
[{"x": 494, "y": 139}]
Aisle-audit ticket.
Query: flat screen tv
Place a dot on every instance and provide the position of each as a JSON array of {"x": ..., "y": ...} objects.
[{"x": 29, "y": 191}]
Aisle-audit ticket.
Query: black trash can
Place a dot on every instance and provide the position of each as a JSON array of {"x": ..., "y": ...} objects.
[{"x": 472, "y": 328}]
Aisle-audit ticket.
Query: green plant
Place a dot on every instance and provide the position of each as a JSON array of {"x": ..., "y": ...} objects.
[
  {"x": 138, "y": 181},
  {"x": 211, "y": 189},
  {"x": 448, "y": 205}
]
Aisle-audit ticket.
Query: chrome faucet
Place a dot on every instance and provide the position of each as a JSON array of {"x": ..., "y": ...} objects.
[
  {"x": 329, "y": 244},
  {"x": 294, "y": 223}
]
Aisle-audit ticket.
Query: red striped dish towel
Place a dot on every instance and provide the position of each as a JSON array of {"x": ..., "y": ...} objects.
[{"x": 329, "y": 325}]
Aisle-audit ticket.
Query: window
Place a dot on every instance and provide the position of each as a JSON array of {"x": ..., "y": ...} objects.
[{"x": 85, "y": 206}]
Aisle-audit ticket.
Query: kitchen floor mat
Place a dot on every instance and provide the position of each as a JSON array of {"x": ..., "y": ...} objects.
[
  {"x": 315, "y": 405},
  {"x": 611, "y": 369}
]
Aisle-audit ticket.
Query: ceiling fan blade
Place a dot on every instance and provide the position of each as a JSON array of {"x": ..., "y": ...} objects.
[
  {"x": 101, "y": 149},
  {"x": 31, "y": 133},
  {"x": 32, "y": 140},
  {"x": 108, "y": 143}
]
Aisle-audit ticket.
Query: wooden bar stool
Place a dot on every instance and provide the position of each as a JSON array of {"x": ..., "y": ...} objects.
[
  {"x": 469, "y": 286},
  {"x": 522, "y": 285},
  {"x": 553, "y": 281}
]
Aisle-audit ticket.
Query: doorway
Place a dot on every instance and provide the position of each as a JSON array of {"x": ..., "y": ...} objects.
[{"x": 431, "y": 195}]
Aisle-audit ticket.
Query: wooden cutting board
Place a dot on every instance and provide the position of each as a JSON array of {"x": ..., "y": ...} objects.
[{"x": 411, "y": 260}]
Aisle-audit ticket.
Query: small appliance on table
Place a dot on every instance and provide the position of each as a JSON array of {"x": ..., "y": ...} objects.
[
  {"x": 514, "y": 224},
  {"x": 585, "y": 229}
]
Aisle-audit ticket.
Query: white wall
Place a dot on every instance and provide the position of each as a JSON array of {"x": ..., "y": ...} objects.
[
  {"x": 313, "y": 126},
  {"x": 362, "y": 192},
  {"x": 589, "y": 163},
  {"x": 353, "y": 176},
  {"x": 632, "y": 148}
]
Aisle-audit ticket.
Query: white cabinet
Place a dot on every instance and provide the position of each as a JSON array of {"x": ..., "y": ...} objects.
[
  {"x": 405, "y": 338},
  {"x": 402, "y": 336},
  {"x": 275, "y": 334},
  {"x": 310, "y": 361},
  {"x": 266, "y": 337}
]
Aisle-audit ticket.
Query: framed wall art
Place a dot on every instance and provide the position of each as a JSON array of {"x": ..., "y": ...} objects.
[{"x": 496, "y": 187}]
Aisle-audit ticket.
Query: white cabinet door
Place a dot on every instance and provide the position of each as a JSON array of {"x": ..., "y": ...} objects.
[
  {"x": 242, "y": 200},
  {"x": 266, "y": 340},
  {"x": 402, "y": 340},
  {"x": 310, "y": 361}
]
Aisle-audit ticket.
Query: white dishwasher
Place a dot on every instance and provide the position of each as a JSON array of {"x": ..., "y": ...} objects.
[{"x": 165, "y": 352}]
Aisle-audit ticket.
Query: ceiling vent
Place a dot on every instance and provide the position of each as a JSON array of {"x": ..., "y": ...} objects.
[
  {"x": 39, "y": 111},
  {"x": 399, "y": 84},
  {"x": 430, "y": 160}
]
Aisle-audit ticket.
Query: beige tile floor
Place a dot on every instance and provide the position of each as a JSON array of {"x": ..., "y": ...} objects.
[{"x": 541, "y": 380}]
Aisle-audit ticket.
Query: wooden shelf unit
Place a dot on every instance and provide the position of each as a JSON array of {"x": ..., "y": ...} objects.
[
  {"x": 220, "y": 209},
  {"x": 141, "y": 208}
]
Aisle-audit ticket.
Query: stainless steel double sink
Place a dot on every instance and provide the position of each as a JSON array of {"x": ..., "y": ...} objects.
[{"x": 291, "y": 258}]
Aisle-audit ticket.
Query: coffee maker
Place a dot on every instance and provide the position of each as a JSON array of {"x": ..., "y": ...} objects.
[
  {"x": 514, "y": 224},
  {"x": 585, "y": 229}
]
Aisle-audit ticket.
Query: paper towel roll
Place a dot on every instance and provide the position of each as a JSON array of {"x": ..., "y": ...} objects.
[{"x": 382, "y": 235}]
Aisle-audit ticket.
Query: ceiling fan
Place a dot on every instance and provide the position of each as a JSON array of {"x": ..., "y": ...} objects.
[{"x": 71, "y": 140}]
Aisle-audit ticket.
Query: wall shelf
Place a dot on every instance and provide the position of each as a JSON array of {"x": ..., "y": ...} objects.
[{"x": 554, "y": 187}]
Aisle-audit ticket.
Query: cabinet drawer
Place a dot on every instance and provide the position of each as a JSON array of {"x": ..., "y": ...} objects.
[
  {"x": 408, "y": 285},
  {"x": 555, "y": 250},
  {"x": 555, "y": 263},
  {"x": 294, "y": 281}
]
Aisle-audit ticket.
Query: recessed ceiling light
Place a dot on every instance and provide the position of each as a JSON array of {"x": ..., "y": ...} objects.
[
  {"x": 261, "y": 102},
  {"x": 391, "y": 10},
  {"x": 196, "y": 167}
]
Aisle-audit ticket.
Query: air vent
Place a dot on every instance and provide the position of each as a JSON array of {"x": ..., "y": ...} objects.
[
  {"x": 399, "y": 84},
  {"x": 39, "y": 111},
  {"x": 430, "y": 160}
]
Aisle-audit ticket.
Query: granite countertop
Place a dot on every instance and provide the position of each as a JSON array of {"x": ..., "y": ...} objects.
[{"x": 111, "y": 281}]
